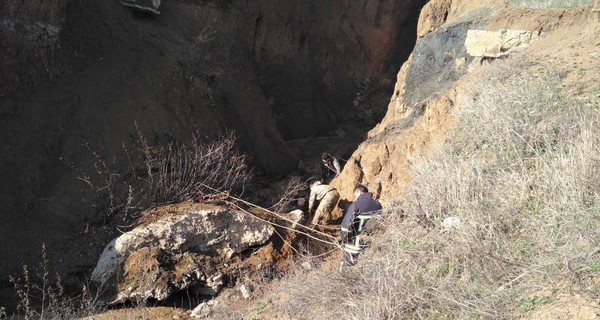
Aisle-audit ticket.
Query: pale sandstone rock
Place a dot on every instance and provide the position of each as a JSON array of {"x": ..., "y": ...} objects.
[
  {"x": 177, "y": 252},
  {"x": 494, "y": 44}
]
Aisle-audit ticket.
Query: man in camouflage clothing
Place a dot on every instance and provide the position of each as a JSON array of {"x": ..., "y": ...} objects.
[{"x": 327, "y": 197}]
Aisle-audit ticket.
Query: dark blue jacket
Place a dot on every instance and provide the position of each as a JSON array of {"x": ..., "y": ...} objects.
[{"x": 365, "y": 204}]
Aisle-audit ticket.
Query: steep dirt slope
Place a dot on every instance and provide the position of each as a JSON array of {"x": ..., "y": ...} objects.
[
  {"x": 77, "y": 72},
  {"x": 420, "y": 113}
]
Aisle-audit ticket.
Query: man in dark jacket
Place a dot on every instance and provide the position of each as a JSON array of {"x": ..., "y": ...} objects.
[{"x": 359, "y": 211}]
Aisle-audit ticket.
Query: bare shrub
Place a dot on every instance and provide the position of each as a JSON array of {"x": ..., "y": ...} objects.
[
  {"x": 177, "y": 172},
  {"x": 151, "y": 175},
  {"x": 288, "y": 194}
]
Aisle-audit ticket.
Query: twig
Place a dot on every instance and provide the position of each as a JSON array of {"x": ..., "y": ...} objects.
[{"x": 502, "y": 287}]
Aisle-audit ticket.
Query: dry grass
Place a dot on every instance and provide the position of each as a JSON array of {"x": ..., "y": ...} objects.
[
  {"x": 522, "y": 174},
  {"x": 42, "y": 296}
]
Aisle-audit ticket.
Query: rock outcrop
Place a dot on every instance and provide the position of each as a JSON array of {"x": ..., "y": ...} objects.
[
  {"x": 419, "y": 114},
  {"x": 495, "y": 44},
  {"x": 434, "y": 81},
  {"x": 187, "y": 249}
]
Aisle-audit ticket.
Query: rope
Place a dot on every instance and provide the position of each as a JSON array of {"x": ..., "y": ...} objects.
[
  {"x": 336, "y": 245},
  {"x": 285, "y": 227},
  {"x": 278, "y": 216},
  {"x": 303, "y": 255}
]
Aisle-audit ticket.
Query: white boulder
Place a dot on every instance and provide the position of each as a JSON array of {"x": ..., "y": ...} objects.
[{"x": 188, "y": 248}]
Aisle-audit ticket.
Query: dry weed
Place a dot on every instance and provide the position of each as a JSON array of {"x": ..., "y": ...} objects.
[
  {"x": 151, "y": 175},
  {"x": 41, "y": 297},
  {"x": 179, "y": 171}
]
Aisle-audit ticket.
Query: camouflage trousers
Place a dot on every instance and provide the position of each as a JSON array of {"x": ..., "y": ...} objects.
[{"x": 326, "y": 206}]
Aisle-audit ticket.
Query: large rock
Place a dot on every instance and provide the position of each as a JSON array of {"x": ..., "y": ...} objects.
[
  {"x": 184, "y": 249},
  {"x": 494, "y": 44}
]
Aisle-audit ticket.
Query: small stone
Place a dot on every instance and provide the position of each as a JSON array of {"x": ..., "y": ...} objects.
[
  {"x": 245, "y": 292},
  {"x": 450, "y": 223},
  {"x": 461, "y": 63},
  {"x": 203, "y": 310},
  {"x": 296, "y": 216}
]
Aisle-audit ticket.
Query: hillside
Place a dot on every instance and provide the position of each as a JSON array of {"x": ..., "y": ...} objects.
[
  {"x": 81, "y": 81},
  {"x": 507, "y": 146},
  {"x": 505, "y": 143}
]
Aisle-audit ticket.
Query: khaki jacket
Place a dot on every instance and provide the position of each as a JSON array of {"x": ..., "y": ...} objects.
[{"x": 317, "y": 193}]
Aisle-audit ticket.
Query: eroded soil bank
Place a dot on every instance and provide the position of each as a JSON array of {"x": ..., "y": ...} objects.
[{"x": 292, "y": 79}]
